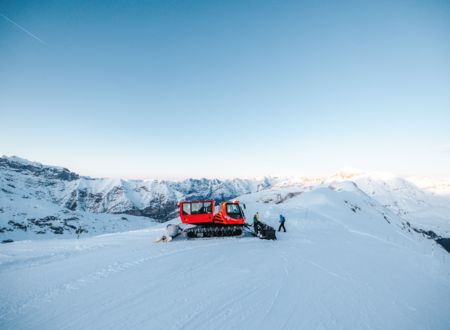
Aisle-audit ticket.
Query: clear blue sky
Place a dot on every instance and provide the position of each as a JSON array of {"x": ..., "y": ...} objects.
[{"x": 226, "y": 88}]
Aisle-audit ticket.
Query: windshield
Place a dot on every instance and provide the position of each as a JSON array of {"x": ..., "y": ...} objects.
[{"x": 234, "y": 211}]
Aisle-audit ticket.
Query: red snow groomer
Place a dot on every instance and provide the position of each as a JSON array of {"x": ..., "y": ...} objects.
[{"x": 229, "y": 220}]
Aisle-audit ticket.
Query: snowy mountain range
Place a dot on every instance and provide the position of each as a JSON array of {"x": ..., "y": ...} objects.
[
  {"x": 38, "y": 200},
  {"x": 41, "y": 199}
]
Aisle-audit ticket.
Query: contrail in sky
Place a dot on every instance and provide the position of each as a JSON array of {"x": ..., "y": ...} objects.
[{"x": 23, "y": 29}]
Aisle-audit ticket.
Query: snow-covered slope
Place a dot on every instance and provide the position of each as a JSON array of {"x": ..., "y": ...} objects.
[
  {"x": 37, "y": 199},
  {"x": 423, "y": 208},
  {"x": 346, "y": 262}
]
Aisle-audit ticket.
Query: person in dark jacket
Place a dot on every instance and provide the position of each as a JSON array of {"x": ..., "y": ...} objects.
[{"x": 282, "y": 220}]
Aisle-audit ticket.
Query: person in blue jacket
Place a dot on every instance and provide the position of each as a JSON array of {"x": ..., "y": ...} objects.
[{"x": 282, "y": 220}]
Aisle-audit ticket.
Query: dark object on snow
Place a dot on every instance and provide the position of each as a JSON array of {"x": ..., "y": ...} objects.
[
  {"x": 445, "y": 243},
  {"x": 7, "y": 241},
  {"x": 442, "y": 241},
  {"x": 264, "y": 231}
]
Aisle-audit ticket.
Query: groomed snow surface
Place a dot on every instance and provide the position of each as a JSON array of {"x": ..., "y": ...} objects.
[{"x": 341, "y": 265}]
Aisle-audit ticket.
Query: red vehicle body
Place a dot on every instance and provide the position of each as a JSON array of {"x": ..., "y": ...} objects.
[{"x": 201, "y": 212}]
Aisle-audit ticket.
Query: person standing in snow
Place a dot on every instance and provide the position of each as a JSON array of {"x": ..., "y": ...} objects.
[
  {"x": 282, "y": 220},
  {"x": 255, "y": 221}
]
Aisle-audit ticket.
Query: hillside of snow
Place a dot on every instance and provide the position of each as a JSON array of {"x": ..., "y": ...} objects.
[
  {"x": 38, "y": 201},
  {"x": 423, "y": 207},
  {"x": 346, "y": 262}
]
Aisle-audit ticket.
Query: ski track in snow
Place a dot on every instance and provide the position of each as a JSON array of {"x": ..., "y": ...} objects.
[
  {"x": 324, "y": 269},
  {"x": 90, "y": 279}
]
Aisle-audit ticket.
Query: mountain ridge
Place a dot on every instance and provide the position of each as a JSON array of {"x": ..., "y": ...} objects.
[{"x": 30, "y": 191}]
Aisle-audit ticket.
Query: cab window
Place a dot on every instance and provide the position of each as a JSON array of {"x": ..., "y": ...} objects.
[
  {"x": 201, "y": 207},
  {"x": 186, "y": 208},
  {"x": 234, "y": 211},
  {"x": 208, "y": 207}
]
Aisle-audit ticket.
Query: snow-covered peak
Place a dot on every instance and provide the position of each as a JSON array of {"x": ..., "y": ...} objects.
[
  {"x": 353, "y": 174},
  {"x": 348, "y": 173},
  {"x": 21, "y": 165},
  {"x": 26, "y": 162}
]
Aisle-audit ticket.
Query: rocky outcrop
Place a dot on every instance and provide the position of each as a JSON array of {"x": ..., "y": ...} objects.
[{"x": 23, "y": 166}]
